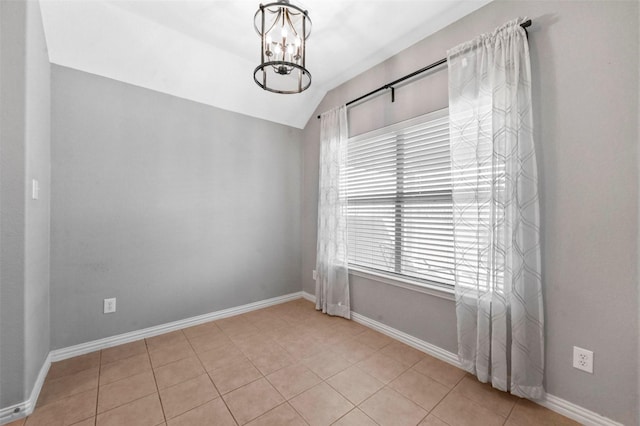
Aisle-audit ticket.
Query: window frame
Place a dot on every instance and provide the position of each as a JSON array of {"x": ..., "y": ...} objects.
[{"x": 422, "y": 285}]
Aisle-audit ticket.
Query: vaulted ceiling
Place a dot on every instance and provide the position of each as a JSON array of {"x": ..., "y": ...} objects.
[{"x": 206, "y": 51}]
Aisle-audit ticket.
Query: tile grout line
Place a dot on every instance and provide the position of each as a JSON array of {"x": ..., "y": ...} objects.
[
  {"x": 223, "y": 400},
  {"x": 291, "y": 318},
  {"x": 95, "y": 418},
  {"x": 355, "y": 407},
  {"x": 386, "y": 385},
  {"x": 209, "y": 376},
  {"x": 513, "y": 407},
  {"x": 205, "y": 372},
  {"x": 298, "y": 413},
  {"x": 264, "y": 376},
  {"x": 128, "y": 402},
  {"x": 432, "y": 408},
  {"x": 355, "y": 364},
  {"x": 443, "y": 398},
  {"x": 261, "y": 373},
  {"x": 164, "y": 416},
  {"x": 59, "y": 399},
  {"x": 184, "y": 381}
]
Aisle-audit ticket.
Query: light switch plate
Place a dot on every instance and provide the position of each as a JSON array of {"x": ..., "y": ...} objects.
[{"x": 35, "y": 189}]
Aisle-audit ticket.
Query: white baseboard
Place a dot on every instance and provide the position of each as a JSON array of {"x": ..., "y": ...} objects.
[
  {"x": 308, "y": 296},
  {"x": 9, "y": 414},
  {"x": 95, "y": 345},
  {"x": 576, "y": 412},
  {"x": 408, "y": 339},
  {"x": 552, "y": 402},
  {"x": 25, "y": 408}
]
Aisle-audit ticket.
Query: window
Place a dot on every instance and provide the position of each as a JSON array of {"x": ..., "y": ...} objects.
[{"x": 399, "y": 194}]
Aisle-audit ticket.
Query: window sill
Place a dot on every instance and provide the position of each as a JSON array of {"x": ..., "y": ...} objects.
[{"x": 432, "y": 290}]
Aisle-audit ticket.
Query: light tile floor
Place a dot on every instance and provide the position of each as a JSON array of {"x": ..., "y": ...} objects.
[{"x": 282, "y": 365}]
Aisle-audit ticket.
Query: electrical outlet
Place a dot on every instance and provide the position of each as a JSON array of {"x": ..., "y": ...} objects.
[
  {"x": 109, "y": 305},
  {"x": 315, "y": 274},
  {"x": 583, "y": 359}
]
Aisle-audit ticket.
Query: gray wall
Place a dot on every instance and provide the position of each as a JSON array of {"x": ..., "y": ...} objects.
[
  {"x": 585, "y": 67},
  {"x": 38, "y": 212},
  {"x": 12, "y": 207},
  {"x": 24, "y": 225},
  {"x": 173, "y": 207}
]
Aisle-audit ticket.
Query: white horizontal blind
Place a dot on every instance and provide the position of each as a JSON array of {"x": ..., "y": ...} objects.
[{"x": 398, "y": 186}]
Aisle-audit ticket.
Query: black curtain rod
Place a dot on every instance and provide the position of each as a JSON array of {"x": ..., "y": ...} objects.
[{"x": 524, "y": 25}]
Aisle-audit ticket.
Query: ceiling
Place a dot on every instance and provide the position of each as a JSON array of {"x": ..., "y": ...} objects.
[{"x": 206, "y": 51}]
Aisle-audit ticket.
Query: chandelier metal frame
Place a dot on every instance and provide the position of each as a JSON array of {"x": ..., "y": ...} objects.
[{"x": 286, "y": 54}]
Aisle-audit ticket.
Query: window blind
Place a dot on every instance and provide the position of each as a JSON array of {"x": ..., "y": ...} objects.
[{"x": 399, "y": 193}]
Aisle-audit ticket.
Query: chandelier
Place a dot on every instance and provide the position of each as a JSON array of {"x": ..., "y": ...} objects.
[{"x": 283, "y": 29}]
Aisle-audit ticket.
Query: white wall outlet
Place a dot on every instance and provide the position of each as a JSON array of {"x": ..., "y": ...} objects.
[
  {"x": 109, "y": 305},
  {"x": 315, "y": 274},
  {"x": 583, "y": 359}
]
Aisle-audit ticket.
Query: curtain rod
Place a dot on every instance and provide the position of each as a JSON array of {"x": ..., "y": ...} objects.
[{"x": 524, "y": 25}]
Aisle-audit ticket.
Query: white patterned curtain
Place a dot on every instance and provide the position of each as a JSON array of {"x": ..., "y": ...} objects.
[
  {"x": 495, "y": 206},
  {"x": 332, "y": 279}
]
